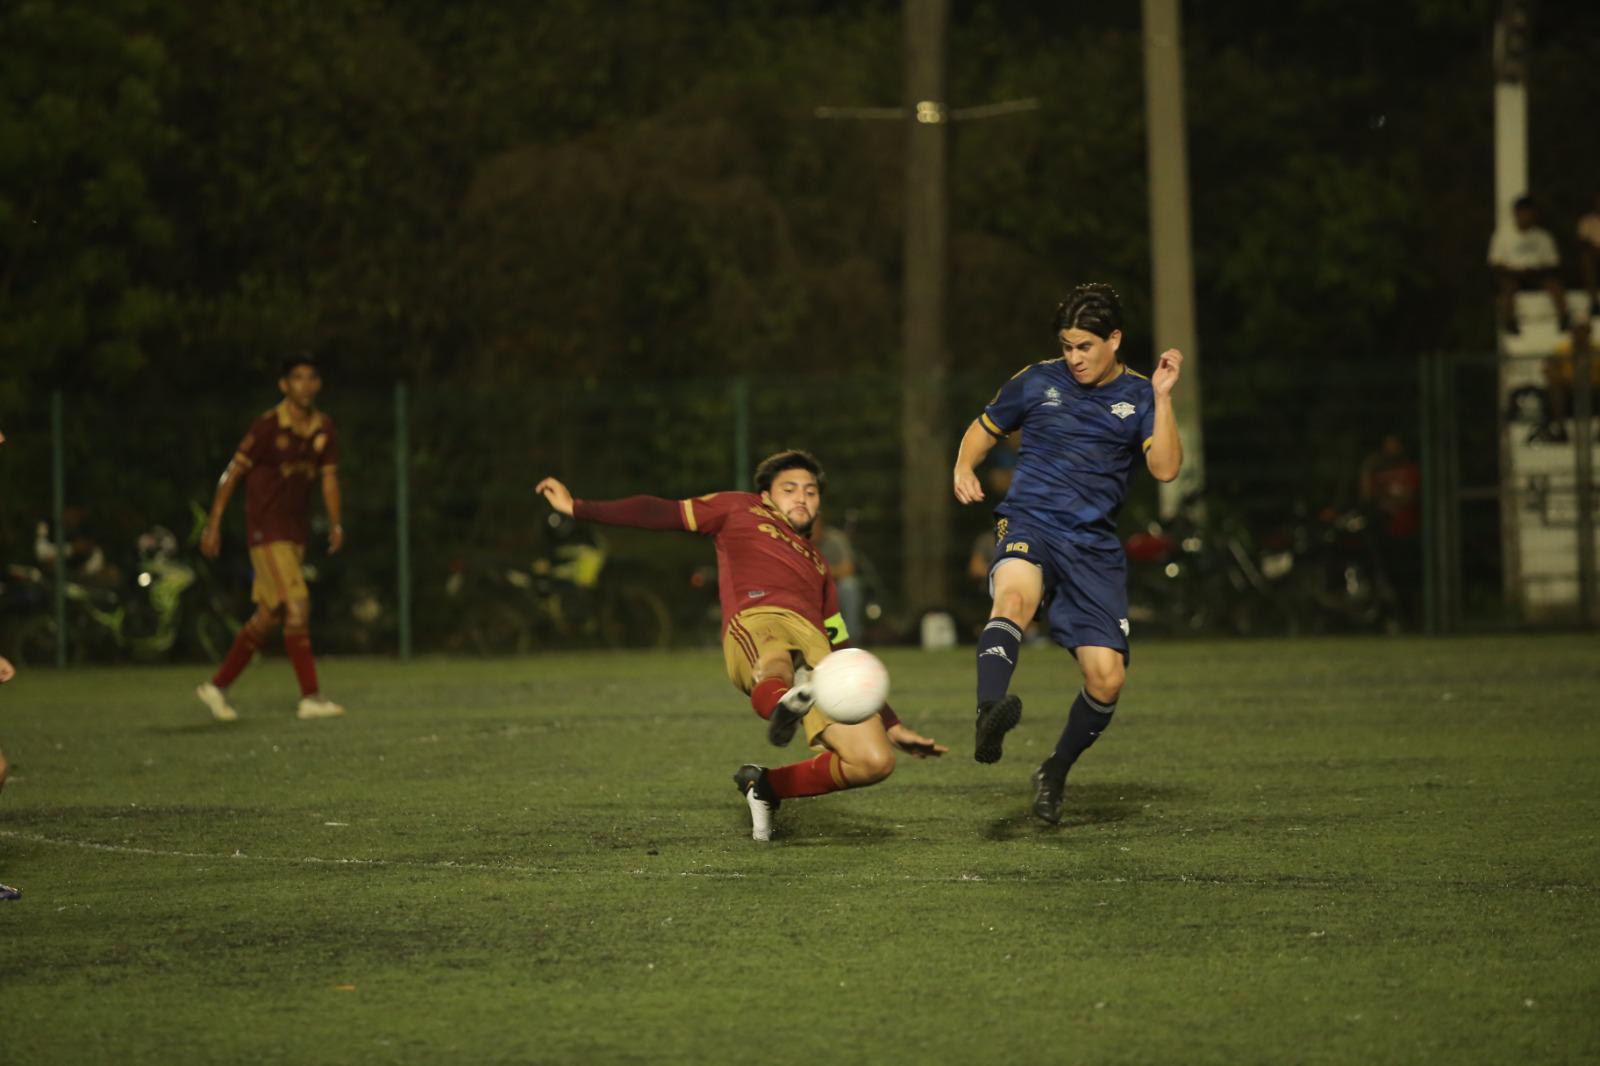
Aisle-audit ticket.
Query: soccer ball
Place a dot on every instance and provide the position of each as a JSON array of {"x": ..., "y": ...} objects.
[{"x": 850, "y": 685}]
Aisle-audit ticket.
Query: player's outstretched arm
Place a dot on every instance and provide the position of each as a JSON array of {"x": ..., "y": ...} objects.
[
  {"x": 975, "y": 445},
  {"x": 640, "y": 512},
  {"x": 1164, "y": 457}
]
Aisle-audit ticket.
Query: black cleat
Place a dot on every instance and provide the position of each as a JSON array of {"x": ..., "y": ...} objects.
[
  {"x": 995, "y": 720},
  {"x": 7, "y": 892},
  {"x": 1047, "y": 791},
  {"x": 752, "y": 782},
  {"x": 788, "y": 714}
]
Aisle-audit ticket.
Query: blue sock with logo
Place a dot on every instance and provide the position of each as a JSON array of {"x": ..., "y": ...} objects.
[
  {"x": 1085, "y": 722},
  {"x": 997, "y": 658}
]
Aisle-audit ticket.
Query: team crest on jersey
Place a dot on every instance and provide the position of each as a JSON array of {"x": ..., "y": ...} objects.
[
  {"x": 1122, "y": 409},
  {"x": 1052, "y": 397}
]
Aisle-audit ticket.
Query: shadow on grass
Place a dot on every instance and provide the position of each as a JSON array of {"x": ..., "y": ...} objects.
[
  {"x": 822, "y": 826},
  {"x": 1092, "y": 804}
]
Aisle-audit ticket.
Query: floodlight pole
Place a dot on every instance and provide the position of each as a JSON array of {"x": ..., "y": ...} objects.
[
  {"x": 926, "y": 440},
  {"x": 925, "y": 368},
  {"x": 1171, "y": 243}
]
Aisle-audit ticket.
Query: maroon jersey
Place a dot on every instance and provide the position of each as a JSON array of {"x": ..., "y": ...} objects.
[
  {"x": 281, "y": 463},
  {"x": 761, "y": 560}
]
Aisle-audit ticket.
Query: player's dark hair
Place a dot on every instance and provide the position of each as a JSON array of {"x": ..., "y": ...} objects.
[
  {"x": 791, "y": 459},
  {"x": 1524, "y": 202},
  {"x": 1094, "y": 307},
  {"x": 289, "y": 362}
]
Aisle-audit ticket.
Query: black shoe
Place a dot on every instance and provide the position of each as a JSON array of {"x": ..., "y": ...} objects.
[
  {"x": 788, "y": 714},
  {"x": 995, "y": 720},
  {"x": 1047, "y": 791},
  {"x": 7, "y": 892},
  {"x": 757, "y": 791}
]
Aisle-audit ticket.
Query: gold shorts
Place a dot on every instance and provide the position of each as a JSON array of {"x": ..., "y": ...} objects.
[
  {"x": 759, "y": 633},
  {"x": 279, "y": 579}
]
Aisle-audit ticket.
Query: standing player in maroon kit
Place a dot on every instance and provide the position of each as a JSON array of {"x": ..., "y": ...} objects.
[
  {"x": 285, "y": 450},
  {"x": 780, "y": 617}
]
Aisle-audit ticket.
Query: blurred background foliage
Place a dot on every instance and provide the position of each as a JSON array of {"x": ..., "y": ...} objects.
[{"x": 527, "y": 202}]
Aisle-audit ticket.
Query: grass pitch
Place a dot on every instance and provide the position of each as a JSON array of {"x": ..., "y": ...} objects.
[{"x": 1332, "y": 851}]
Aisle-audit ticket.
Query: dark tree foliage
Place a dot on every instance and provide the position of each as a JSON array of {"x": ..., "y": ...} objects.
[{"x": 489, "y": 195}]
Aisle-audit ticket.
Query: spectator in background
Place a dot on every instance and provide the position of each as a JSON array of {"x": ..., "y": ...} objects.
[
  {"x": 1589, "y": 252},
  {"x": 1524, "y": 256},
  {"x": 1560, "y": 376},
  {"x": 86, "y": 560},
  {"x": 840, "y": 554},
  {"x": 1391, "y": 487}
]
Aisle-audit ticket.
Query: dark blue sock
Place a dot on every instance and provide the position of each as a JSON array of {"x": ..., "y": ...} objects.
[
  {"x": 997, "y": 658},
  {"x": 1085, "y": 722}
]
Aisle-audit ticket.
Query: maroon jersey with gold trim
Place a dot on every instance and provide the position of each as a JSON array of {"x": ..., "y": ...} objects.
[
  {"x": 761, "y": 560},
  {"x": 281, "y": 464}
]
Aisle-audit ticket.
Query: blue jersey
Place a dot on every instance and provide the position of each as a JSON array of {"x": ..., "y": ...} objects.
[{"x": 1078, "y": 444}]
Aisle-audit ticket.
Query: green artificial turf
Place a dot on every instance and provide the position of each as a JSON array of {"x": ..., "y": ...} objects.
[{"x": 1376, "y": 850}]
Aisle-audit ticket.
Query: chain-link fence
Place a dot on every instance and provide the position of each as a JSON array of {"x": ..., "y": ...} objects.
[{"x": 1308, "y": 524}]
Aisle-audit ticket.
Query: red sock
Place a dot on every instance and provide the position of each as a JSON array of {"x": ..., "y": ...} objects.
[
  {"x": 814, "y": 777},
  {"x": 298, "y": 645},
  {"x": 238, "y": 657},
  {"x": 767, "y": 694}
]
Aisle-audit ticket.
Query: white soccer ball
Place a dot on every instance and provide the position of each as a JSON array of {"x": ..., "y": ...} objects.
[{"x": 850, "y": 685}]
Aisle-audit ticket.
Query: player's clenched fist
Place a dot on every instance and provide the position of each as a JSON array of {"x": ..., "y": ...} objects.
[
  {"x": 1166, "y": 373},
  {"x": 556, "y": 494}
]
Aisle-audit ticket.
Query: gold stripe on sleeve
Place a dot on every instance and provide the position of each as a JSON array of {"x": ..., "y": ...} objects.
[
  {"x": 242, "y": 460},
  {"x": 1147, "y": 442},
  {"x": 688, "y": 515},
  {"x": 988, "y": 424}
]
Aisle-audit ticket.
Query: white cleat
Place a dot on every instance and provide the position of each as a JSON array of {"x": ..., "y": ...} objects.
[
  {"x": 318, "y": 707},
  {"x": 214, "y": 698},
  {"x": 752, "y": 781}
]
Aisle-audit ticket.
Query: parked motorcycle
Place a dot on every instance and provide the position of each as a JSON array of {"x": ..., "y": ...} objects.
[
  {"x": 172, "y": 607},
  {"x": 573, "y": 597}
]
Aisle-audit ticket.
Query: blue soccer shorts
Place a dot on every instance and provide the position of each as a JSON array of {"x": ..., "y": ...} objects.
[{"x": 1085, "y": 586}]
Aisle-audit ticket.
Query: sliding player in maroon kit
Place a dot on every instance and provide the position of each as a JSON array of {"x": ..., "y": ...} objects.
[
  {"x": 780, "y": 617},
  {"x": 285, "y": 450}
]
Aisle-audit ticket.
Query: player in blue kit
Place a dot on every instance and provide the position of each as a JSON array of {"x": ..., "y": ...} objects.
[{"x": 1085, "y": 418}]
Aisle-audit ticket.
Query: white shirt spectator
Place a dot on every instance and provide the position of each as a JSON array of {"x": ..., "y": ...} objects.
[{"x": 1523, "y": 249}]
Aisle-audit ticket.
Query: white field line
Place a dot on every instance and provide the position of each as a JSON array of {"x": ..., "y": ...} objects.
[
  {"x": 304, "y": 860},
  {"x": 966, "y": 878}
]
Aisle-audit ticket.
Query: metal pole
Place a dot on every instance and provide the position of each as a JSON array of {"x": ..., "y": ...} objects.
[
  {"x": 1171, "y": 246},
  {"x": 402, "y": 514},
  {"x": 1583, "y": 472},
  {"x": 741, "y": 433},
  {"x": 1449, "y": 469},
  {"x": 925, "y": 438},
  {"x": 58, "y": 485},
  {"x": 1430, "y": 498}
]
